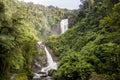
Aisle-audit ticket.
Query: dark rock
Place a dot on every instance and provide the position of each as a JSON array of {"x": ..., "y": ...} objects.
[
  {"x": 41, "y": 73},
  {"x": 50, "y": 72},
  {"x": 36, "y": 79}
]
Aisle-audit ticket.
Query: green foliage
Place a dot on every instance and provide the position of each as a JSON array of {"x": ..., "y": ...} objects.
[
  {"x": 17, "y": 40},
  {"x": 21, "y": 77},
  {"x": 21, "y": 24},
  {"x": 72, "y": 67},
  {"x": 111, "y": 23},
  {"x": 96, "y": 39},
  {"x": 90, "y": 46},
  {"x": 45, "y": 20}
]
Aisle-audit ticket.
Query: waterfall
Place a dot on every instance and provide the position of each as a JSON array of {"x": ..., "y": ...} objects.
[
  {"x": 51, "y": 64},
  {"x": 64, "y": 25},
  {"x": 49, "y": 58}
]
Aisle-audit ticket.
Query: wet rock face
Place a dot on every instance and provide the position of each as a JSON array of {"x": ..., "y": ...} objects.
[
  {"x": 42, "y": 74},
  {"x": 36, "y": 67},
  {"x": 40, "y": 60},
  {"x": 40, "y": 47},
  {"x": 50, "y": 72}
]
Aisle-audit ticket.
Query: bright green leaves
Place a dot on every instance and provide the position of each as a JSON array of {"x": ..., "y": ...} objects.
[
  {"x": 17, "y": 60},
  {"x": 103, "y": 54},
  {"x": 111, "y": 23},
  {"x": 72, "y": 67},
  {"x": 117, "y": 8},
  {"x": 96, "y": 39},
  {"x": 108, "y": 55},
  {"x": 21, "y": 77},
  {"x": 17, "y": 41}
]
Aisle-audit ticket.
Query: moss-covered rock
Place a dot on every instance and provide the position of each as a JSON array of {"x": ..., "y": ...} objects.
[{"x": 21, "y": 77}]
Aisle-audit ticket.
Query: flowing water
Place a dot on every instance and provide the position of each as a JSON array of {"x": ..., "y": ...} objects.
[
  {"x": 51, "y": 64},
  {"x": 64, "y": 25}
]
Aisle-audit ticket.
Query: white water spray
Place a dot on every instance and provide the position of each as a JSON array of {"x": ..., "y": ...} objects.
[
  {"x": 51, "y": 64},
  {"x": 64, "y": 25}
]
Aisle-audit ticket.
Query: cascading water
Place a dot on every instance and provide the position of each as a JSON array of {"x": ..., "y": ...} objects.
[
  {"x": 51, "y": 64},
  {"x": 64, "y": 25}
]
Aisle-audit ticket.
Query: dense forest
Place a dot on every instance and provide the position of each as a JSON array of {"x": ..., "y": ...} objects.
[
  {"x": 89, "y": 50},
  {"x": 22, "y": 25}
]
